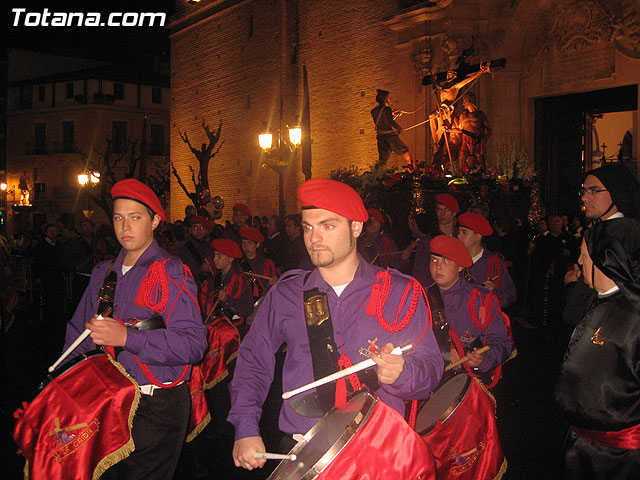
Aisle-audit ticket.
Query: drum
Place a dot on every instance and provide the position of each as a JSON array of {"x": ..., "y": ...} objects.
[
  {"x": 80, "y": 423},
  {"x": 334, "y": 447},
  {"x": 224, "y": 341},
  {"x": 442, "y": 403}
]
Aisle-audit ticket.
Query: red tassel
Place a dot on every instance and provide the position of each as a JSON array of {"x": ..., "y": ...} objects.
[{"x": 20, "y": 411}]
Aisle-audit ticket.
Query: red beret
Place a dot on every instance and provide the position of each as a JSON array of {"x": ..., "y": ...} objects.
[
  {"x": 475, "y": 222},
  {"x": 242, "y": 208},
  {"x": 136, "y": 190},
  {"x": 375, "y": 213},
  {"x": 227, "y": 247},
  {"x": 334, "y": 196},
  {"x": 199, "y": 219},
  {"x": 451, "y": 248},
  {"x": 251, "y": 233},
  {"x": 448, "y": 201}
]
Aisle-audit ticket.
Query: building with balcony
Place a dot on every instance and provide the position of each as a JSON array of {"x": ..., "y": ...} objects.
[{"x": 58, "y": 124}]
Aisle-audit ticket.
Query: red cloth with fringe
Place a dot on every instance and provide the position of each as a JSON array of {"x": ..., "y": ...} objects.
[
  {"x": 200, "y": 415},
  {"x": 385, "y": 447},
  {"x": 80, "y": 424},
  {"x": 467, "y": 446},
  {"x": 224, "y": 341}
]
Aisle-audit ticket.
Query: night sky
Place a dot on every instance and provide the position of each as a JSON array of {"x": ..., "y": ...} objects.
[{"x": 116, "y": 44}]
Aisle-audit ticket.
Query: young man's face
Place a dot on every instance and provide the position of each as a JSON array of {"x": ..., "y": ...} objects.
[
  {"x": 239, "y": 218},
  {"x": 330, "y": 238},
  {"x": 198, "y": 231},
  {"x": 250, "y": 248},
  {"x": 222, "y": 261},
  {"x": 445, "y": 216},
  {"x": 51, "y": 232},
  {"x": 444, "y": 272},
  {"x": 291, "y": 229},
  {"x": 271, "y": 226},
  {"x": 470, "y": 238},
  {"x": 133, "y": 225},
  {"x": 373, "y": 226}
]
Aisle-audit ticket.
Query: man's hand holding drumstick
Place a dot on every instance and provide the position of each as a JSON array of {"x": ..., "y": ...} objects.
[
  {"x": 390, "y": 366},
  {"x": 107, "y": 331}
]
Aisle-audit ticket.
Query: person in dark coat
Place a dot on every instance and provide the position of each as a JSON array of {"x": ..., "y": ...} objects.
[{"x": 599, "y": 384}]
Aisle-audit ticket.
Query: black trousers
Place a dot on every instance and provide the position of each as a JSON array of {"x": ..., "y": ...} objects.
[{"x": 159, "y": 430}]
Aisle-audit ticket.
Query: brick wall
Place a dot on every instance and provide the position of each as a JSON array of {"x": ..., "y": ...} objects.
[{"x": 219, "y": 73}]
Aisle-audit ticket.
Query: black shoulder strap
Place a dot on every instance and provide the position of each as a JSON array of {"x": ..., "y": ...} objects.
[
  {"x": 324, "y": 351},
  {"x": 107, "y": 292},
  {"x": 440, "y": 324}
]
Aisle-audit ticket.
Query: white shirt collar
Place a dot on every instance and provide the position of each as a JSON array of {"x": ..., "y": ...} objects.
[{"x": 477, "y": 257}]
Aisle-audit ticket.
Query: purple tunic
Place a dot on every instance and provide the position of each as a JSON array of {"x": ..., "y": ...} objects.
[
  {"x": 280, "y": 319},
  {"x": 505, "y": 289},
  {"x": 166, "y": 351},
  {"x": 495, "y": 334}
]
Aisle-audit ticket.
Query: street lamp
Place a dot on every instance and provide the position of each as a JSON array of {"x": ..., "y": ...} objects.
[
  {"x": 276, "y": 154},
  {"x": 88, "y": 179}
]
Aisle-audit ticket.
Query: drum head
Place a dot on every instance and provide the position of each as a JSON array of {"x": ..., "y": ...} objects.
[
  {"x": 442, "y": 403},
  {"x": 326, "y": 439},
  {"x": 68, "y": 366}
]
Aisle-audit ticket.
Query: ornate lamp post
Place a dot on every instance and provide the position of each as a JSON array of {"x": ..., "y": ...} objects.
[
  {"x": 86, "y": 180},
  {"x": 279, "y": 155}
]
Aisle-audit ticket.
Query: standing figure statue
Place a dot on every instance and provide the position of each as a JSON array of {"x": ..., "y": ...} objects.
[
  {"x": 387, "y": 131},
  {"x": 475, "y": 129}
]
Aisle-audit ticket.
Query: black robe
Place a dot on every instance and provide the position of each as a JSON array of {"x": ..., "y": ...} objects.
[{"x": 599, "y": 388}]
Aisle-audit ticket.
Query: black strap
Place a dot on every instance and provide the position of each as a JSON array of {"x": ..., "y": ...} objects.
[
  {"x": 324, "y": 351},
  {"x": 107, "y": 292},
  {"x": 440, "y": 324}
]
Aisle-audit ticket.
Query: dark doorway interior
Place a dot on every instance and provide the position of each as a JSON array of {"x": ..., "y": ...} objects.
[{"x": 560, "y": 126}]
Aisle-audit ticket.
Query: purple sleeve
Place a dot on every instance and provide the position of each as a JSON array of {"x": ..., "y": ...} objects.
[
  {"x": 254, "y": 371},
  {"x": 184, "y": 341},
  {"x": 495, "y": 335}
]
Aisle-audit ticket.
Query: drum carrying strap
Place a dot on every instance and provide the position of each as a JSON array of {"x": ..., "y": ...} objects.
[
  {"x": 324, "y": 351},
  {"x": 440, "y": 325}
]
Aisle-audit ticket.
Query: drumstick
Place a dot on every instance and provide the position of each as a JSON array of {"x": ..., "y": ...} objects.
[
  {"x": 274, "y": 456},
  {"x": 465, "y": 359},
  {"x": 342, "y": 373},
  {"x": 258, "y": 276},
  {"x": 75, "y": 344}
]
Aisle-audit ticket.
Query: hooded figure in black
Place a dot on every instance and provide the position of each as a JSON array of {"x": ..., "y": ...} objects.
[{"x": 599, "y": 384}]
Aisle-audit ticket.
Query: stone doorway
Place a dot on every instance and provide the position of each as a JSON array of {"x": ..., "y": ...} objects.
[{"x": 563, "y": 133}]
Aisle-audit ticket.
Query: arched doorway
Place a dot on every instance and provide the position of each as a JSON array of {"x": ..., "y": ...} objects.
[{"x": 563, "y": 140}]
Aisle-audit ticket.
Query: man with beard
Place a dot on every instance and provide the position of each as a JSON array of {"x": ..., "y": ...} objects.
[{"x": 359, "y": 298}]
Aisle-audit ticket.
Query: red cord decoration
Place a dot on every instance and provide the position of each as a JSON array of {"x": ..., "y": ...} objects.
[
  {"x": 384, "y": 281},
  {"x": 154, "y": 289},
  {"x": 160, "y": 275}
]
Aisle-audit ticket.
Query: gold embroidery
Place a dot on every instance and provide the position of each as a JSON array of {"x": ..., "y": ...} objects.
[
  {"x": 596, "y": 338},
  {"x": 57, "y": 431}
]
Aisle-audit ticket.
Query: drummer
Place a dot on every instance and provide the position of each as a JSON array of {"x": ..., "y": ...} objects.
[
  {"x": 469, "y": 442},
  {"x": 149, "y": 283},
  {"x": 227, "y": 293},
  {"x": 255, "y": 263},
  {"x": 360, "y": 298},
  {"x": 473, "y": 313}
]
